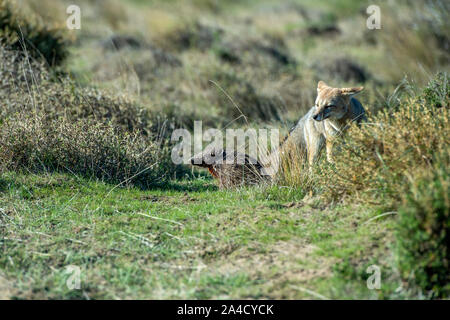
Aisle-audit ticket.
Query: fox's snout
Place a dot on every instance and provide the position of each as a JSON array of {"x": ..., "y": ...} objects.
[
  {"x": 321, "y": 115},
  {"x": 318, "y": 117}
]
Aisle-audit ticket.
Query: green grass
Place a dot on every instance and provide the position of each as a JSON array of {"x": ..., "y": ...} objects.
[{"x": 188, "y": 240}]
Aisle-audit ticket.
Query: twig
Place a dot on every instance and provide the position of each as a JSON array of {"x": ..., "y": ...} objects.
[
  {"x": 379, "y": 216},
  {"x": 310, "y": 292},
  {"x": 158, "y": 218},
  {"x": 231, "y": 99},
  {"x": 140, "y": 238}
]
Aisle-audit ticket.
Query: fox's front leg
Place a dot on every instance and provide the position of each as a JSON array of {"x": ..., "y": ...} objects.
[
  {"x": 314, "y": 146},
  {"x": 329, "y": 146}
]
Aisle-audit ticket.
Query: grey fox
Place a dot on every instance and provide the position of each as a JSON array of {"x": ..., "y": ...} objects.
[{"x": 334, "y": 110}]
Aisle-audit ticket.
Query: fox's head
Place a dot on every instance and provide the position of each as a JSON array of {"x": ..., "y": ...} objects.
[{"x": 332, "y": 102}]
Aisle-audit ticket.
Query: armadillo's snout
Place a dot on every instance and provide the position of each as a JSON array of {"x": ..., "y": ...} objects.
[{"x": 197, "y": 161}]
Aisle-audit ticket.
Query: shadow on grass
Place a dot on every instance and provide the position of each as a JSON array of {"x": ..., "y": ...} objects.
[
  {"x": 4, "y": 183},
  {"x": 7, "y": 183},
  {"x": 187, "y": 186},
  {"x": 188, "y": 183}
]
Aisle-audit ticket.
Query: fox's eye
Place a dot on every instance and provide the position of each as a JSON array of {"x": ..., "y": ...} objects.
[
  {"x": 331, "y": 106},
  {"x": 213, "y": 154}
]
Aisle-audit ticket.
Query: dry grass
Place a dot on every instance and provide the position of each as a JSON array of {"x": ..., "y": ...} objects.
[
  {"x": 294, "y": 169},
  {"x": 416, "y": 39}
]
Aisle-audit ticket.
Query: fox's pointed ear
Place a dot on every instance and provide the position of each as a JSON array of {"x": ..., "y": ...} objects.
[
  {"x": 351, "y": 91},
  {"x": 321, "y": 85}
]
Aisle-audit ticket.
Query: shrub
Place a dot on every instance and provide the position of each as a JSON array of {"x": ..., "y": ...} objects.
[
  {"x": 40, "y": 40},
  {"x": 17, "y": 72},
  {"x": 49, "y": 124},
  {"x": 423, "y": 232},
  {"x": 84, "y": 147},
  {"x": 437, "y": 94}
]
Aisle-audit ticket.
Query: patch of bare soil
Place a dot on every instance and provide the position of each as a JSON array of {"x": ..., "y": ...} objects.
[
  {"x": 6, "y": 289},
  {"x": 280, "y": 267}
]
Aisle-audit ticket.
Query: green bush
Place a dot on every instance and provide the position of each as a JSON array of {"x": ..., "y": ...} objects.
[
  {"x": 19, "y": 32},
  {"x": 84, "y": 147},
  {"x": 423, "y": 233},
  {"x": 437, "y": 93}
]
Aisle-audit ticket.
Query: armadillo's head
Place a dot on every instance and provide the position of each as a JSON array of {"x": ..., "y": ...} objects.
[
  {"x": 228, "y": 166},
  {"x": 209, "y": 158}
]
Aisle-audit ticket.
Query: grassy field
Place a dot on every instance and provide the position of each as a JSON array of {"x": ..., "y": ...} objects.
[
  {"x": 86, "y": 178},
  {"x": 188, "y": 240}
]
